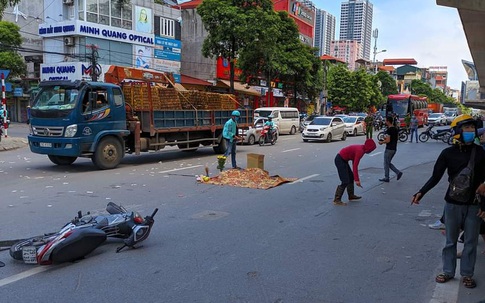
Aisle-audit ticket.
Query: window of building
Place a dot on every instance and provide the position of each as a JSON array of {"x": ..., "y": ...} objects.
[
  {"x": 165, "y": 27},
  {"x": 101, "y": 12}
]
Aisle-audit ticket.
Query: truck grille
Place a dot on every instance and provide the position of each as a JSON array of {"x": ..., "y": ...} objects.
[{"x": 48, "y": 131}]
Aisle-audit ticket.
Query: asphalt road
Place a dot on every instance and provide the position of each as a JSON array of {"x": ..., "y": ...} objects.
[{"x": 229, "y": 244}]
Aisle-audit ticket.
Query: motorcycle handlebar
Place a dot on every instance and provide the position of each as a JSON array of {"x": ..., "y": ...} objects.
[{"x": 154, "y": 213}]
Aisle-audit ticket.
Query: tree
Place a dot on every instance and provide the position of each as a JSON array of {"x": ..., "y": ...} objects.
[
  {"x": 10, "y": 41},
  {"x": 388, "y": 84},
  {"x": 6, "y": 3},
  {"x": 227, "y": 23},
  {"x": 421, "y": 88}
]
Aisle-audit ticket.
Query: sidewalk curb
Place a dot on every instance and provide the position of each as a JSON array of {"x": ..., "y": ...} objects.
[{"x": 11, "y": 143}]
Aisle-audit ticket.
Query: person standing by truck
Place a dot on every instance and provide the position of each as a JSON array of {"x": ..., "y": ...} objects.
[{"x": 230, "y": 135}]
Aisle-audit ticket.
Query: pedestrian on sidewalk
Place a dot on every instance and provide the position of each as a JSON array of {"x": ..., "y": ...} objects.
[
  {"x": 462, "y": 211},
  {"x": 414, "y": 128},
  {"x": 347, "y": 176},
  {"x": 390, "y": 139}
]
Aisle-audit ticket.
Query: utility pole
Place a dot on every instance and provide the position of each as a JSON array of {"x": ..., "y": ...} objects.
[
  {"x": 375, "y": 34},
  {"x": 94, "y": 62}
]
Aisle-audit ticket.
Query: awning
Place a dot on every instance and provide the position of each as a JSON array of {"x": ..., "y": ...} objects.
[{"x": 241, "y": 88}]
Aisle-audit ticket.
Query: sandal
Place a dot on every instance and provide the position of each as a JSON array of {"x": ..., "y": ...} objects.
[
  {"x": 469, "y": 282},
  {"x": 443, "y": 278}
]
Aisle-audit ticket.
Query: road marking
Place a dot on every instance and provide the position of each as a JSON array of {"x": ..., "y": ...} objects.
[
  {"x": 23, "y": 275},
  {"x": 447, "y": 292},
  {"x": 375, "y": 154},
  {"x": 177, "y": 169},
  {"x": 303, "y": 179},
  {"x": 288, "y": 150}
]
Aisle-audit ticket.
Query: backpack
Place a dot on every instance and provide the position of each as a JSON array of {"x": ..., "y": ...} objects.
[{"x": 460, "y": 188}]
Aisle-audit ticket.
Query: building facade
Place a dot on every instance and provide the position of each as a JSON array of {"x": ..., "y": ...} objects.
[
  {"x": 437, "y": 77},
  {"x": 356, "y": 24},
  {"x": 138, "y": 34},
  {"x": 346, "y": 50},
  {"x": 324, "y": 31}
]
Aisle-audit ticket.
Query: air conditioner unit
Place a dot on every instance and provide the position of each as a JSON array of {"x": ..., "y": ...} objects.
[
  {"x": 69, "y": 41},
  {"x": 68, "y": 2}
]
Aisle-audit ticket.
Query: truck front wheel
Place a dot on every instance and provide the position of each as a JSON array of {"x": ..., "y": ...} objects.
[
  {"x": 108, "y": 153},
  {"x": 62, "y": 160}
]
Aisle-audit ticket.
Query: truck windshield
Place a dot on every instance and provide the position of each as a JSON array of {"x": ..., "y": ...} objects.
[{"x": 55, "y": 98}]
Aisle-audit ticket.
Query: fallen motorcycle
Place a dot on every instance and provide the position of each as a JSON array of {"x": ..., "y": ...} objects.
[
  {"x": 266, "y": 137},
  {"x": 84, "y": 234}
]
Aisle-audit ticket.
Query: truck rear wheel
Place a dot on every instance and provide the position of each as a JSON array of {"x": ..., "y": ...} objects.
[
  {"x": 62, "y": 160},
  {"x": 108, "y": 153}
]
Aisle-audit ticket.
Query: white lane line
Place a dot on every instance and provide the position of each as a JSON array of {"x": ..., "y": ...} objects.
[
  {"x": 447, "y": 292},
  {"x": 288, "y": 150},
  {"x": 375, "y": 154},
  {"x": 177, "y": 169},
  {"x": 303, "y": 179},
  {"x": 23, "y": 275}
]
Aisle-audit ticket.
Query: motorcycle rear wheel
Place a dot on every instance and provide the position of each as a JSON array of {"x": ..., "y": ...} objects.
[
  {"x": 423, "y": 137},
  {"x": 16, "y": 249}
]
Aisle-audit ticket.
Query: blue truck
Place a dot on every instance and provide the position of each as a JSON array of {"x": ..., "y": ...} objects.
[{"x": 71, "y": 119}]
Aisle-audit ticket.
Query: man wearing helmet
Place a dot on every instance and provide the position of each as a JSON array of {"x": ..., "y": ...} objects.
[
  {"x": 467, "y": 212},
  {"x": 230, "y": 135},
  {"x": 270, "y": 124}
]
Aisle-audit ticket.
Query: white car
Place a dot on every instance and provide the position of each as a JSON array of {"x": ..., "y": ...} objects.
[
  {"x": 450, "y": 116},
  {"x": 251, "y": 135},
  {"x": 437, "y": 119},
  {"x": 325, "y": 128},
  {"x": 354, "y": 125}
]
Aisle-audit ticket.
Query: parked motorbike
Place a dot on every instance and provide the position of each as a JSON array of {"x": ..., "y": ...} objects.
[
  {"x": 440, "y": 134},
  {"x": 266, "y": 137},
  {"x": 84, "y": 234},
  {"x": 402, "y": 134}
]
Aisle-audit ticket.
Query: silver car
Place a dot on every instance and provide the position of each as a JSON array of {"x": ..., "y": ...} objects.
[
  {"x": 325, "y": 128},
  {"x": 251, "y": 135}
]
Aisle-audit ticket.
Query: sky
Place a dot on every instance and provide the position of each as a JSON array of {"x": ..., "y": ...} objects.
[{"x": 431, "y": 34}]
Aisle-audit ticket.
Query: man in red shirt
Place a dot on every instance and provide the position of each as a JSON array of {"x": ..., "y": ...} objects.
[{"x": 347, "y": 176}]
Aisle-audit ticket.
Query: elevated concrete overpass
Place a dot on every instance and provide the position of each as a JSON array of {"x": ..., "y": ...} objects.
[{"x": 472, "y": 15}]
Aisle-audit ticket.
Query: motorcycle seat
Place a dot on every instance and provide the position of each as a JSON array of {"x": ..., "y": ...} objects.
[{"x": 102, "y": 223}]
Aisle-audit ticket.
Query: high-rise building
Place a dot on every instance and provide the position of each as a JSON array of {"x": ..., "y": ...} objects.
[
  {"x": 324, "y": 31},
  {"x": 356, "y": 24},
  {"x": 346, "y": 50}
]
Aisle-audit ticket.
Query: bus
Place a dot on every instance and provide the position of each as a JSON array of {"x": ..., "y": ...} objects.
[{"x": 404, "y": 104}]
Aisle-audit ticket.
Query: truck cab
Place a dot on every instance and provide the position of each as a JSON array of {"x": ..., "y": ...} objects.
[{"x": 71, "y": 119}]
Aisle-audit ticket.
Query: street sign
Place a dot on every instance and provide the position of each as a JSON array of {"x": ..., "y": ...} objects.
[{"x": 5, "y": 72}]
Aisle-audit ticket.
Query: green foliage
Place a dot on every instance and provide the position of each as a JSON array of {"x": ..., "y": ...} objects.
[
  {"x": 420, "y": 88},
  {"x": 388, "y": 84},
  {"x": 10, "y": 40},
  {"x": 434, "y": 95},
  {"x": 358, "y": 90},
  {"x": 266, "y": 43},
  {"x": 6, "y": 3},
  {"x": 14, "y": 62}
]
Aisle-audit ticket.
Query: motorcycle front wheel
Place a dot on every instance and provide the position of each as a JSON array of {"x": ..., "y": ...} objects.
[
  {"x": 261, "y": 140},
  {"x": 380, "y": 136},
  {"x": 403, "y": 136},
  {"x": 423, "y": 137}
]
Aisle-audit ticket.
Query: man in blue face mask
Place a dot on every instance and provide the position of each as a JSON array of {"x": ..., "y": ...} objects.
[
  {"x": 462, "y": 210},
  {"x": 230, "y": 135}
]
